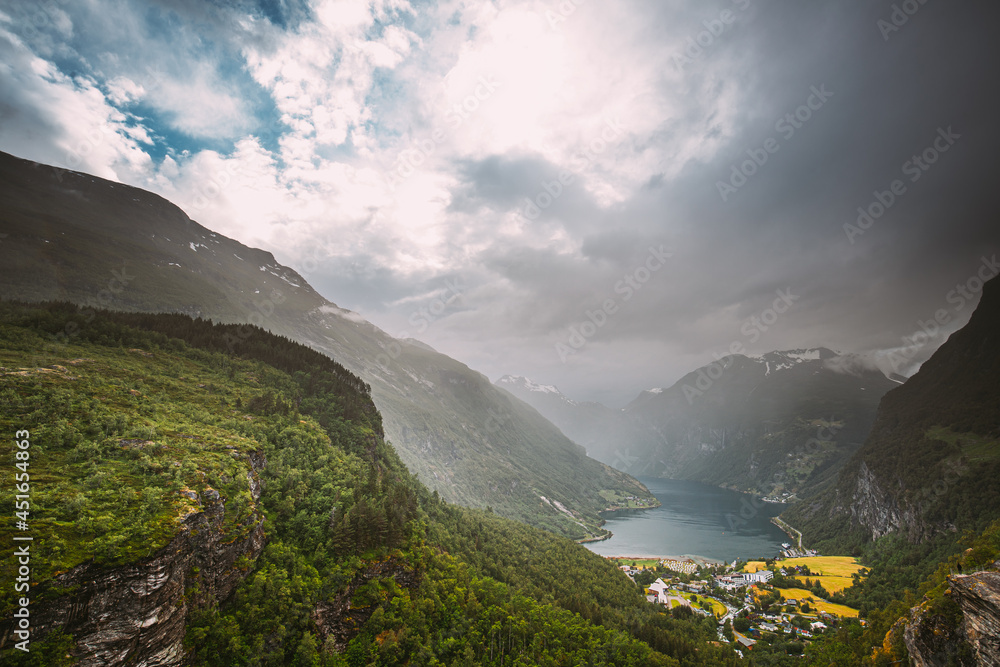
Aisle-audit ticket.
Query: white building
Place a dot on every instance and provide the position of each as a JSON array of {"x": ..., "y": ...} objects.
[{"x": 758, "y": 577}]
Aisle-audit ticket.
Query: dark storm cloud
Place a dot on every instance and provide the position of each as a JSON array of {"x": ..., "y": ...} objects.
[
  {"x": 819, "y": 107},
  {"x": 877, "y": 103}
]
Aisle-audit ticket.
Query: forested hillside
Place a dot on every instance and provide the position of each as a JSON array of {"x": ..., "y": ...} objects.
[{"x": 231, "y": 501}]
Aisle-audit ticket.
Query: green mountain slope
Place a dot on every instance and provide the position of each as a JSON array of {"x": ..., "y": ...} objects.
[
  {"x": 931, "y": 465},
  {"x": 200, "y": 505},
  {"x": 79, "y": 238}
]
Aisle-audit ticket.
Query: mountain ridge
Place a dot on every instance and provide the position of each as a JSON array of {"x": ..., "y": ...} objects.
[
  {"x": 76, "y": 237},
  {"x": 728, "y": 423}
]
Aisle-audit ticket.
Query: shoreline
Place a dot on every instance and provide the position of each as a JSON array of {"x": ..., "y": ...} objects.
[
  {"x": 700, "y": 560},
  {"x": 787, "y": 529},
  {"x": 624, "y": 509}
]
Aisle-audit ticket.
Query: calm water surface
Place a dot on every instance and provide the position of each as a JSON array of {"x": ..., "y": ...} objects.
[{"x": 694, "y": 520}]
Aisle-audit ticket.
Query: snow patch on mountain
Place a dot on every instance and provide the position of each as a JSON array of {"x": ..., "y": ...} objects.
[
  {"x": 785, "y": 359},
  {"x": 528, "y": 384}
]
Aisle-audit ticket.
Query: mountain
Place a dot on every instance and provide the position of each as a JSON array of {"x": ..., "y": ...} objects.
[
  {"x": 781, "y": 424},
  {"x": 79, "y": 238},
  {"x": 216, "y": 495},
  {"x": 931, "y": 464},
  {"x": 594, "y": 426}
]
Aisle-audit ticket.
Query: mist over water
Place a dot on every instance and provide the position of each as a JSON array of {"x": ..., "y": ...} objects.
[{"x": 694, "y": 520}]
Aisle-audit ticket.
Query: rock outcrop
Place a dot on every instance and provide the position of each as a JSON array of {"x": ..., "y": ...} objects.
[
  {"x": 873, "y": 507},
  {"x": 963, "y": 629},
  {"x": 135, "y": 614},
  {"x": 978, "y": 595}
]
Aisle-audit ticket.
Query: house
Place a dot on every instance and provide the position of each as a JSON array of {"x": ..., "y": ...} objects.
[
  {"x": 745, "y": 641},
  {"x": 818, "y": 625},
  {"x": 658, "y": 586},
  {"x": 658, "y": 591}
]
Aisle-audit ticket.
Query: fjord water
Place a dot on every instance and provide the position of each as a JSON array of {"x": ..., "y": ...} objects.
[{"x": 694, "y": 520}]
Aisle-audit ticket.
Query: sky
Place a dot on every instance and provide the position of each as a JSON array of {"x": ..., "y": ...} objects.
[{"x": 602, "y": 196}]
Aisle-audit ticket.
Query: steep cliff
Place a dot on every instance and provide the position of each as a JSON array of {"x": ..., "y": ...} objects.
[
  {"x": 961, "y": 627},
  {"x": 978, "y": 596},
  {"x": 931, "y": 462},
  {"x": 136, "y": 614}
]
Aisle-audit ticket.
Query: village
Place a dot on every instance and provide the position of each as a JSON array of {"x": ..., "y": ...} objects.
[{"x": 785, "y": 599}]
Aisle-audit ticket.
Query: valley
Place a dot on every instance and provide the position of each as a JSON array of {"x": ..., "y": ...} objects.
[{"x": 304, "y": 487}]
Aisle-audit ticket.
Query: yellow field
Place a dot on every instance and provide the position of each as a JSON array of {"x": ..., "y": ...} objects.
[
  {"x": 832, "y": 584},
  {"x": 836, "y": 566},
  {"x": 819, "y": 605},
  {"x": 833, "y": 566}
]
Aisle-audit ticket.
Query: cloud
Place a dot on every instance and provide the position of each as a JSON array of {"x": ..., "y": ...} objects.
[
  {"x": 61, "y": 120},
  {"x": 537, "y": 154}
]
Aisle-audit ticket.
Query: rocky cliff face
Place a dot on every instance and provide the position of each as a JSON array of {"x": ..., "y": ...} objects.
[
  {"x": 963, "y": 629},
  {"x": 978, "y": 595},
  {"x": 873, "y": 507},
  {"x": 135, "y": 614}
]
